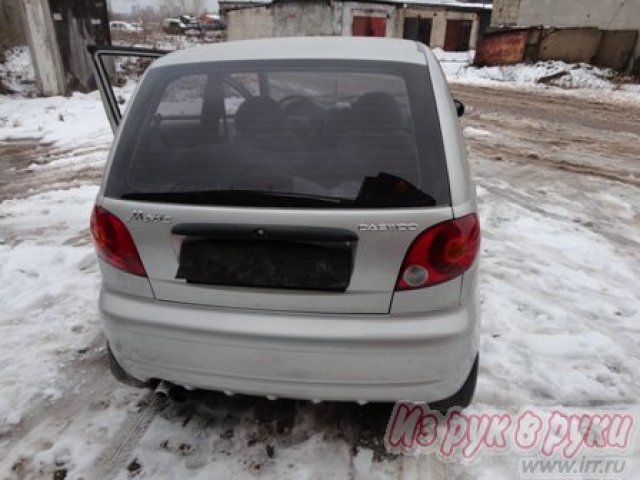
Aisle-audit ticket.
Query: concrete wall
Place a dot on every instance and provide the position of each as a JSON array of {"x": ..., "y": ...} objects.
[
  {"x": 297, "y": 18},
  {"x": 505, "y": 13},
  {"x": 616, "y": 47},
  {"x": 78, "y": 23},
  {"x": 439, "y": 17},
  {"x": 570, "y": 45},
  {"x": 11, "y": 26},
  {"x": 250, "y": 23},
  {"x": 607, "y": 15},
  {"x": 603, "y": 14},
  {"x": 45, "y": 52},
  {"x": 318, "y": 17},
  {"x": 605, "y": 48},
  {"x": 308, "y": 18}
]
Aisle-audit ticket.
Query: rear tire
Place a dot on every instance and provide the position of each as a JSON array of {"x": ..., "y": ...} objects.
[
  {"x": 463, "y": 397},
  {"x": 121, "y": 375}
]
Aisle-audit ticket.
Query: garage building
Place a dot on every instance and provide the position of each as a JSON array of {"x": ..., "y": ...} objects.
[{"x": 450, "y": 25}]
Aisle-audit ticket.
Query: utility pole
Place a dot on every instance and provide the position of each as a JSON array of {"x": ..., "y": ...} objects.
[{"x": 58, "y": 32}]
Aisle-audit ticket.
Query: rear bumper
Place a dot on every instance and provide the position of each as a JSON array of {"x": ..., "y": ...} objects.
[{"x": 424, "y": 357}]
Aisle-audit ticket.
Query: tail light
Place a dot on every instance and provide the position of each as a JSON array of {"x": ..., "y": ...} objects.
[
  {"x": 114, "y": 243},
  {"x": 440, "y": 253}
]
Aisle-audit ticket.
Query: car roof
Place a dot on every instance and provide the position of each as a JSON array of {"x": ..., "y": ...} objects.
[{"x": 297, "y": 48}]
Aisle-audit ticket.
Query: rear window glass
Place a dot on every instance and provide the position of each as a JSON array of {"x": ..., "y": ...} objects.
[{"x": 287, "y": 134}]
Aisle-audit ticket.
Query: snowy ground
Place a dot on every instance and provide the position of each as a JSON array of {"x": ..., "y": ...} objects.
[
  {"x": 583, "y": 80},
  {"x": 558, "y": 182}
]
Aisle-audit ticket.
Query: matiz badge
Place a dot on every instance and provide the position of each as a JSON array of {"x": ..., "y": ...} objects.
[{"x": 140, "y": 216}]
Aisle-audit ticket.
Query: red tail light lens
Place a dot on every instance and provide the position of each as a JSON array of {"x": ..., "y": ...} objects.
[
  {"x": 114, "y": 243},
  {"x": 440, "y": 253}
]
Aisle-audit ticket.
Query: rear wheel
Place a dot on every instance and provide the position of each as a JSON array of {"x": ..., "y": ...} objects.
[
  {"x": 120, "y": 374},
  {"x": 462, "y": 398}
]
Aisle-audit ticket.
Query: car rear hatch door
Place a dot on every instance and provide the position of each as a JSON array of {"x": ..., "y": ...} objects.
[
  {"x": 302, "y": 260},
  {"x": 207, "y": 150},
  {"x": 106, "y": 61}
]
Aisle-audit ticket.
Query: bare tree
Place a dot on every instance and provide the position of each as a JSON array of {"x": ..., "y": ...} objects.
[
  {"x": 196, "y": 7},
  {"x": 170, "y": 8}
]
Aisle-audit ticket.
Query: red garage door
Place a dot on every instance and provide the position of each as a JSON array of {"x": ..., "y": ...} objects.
[
  {"x": 369, "y": 26},
  {"x": 458, "y": 35}
]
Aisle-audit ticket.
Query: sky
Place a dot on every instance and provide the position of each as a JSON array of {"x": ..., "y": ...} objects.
[{"x": 124, "y": 6}]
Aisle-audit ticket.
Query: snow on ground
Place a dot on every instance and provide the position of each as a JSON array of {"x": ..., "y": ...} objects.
[
  {"x": 457, "y": 66},
  {"x": 561, "y": 324},
  {"x": 575, "y": 299},
  {"x": 588, "y": 80},
  {"x": 560, "y": 310},
  {"x": 48, "y": 281},
  {"x": 69, "y": 122},
  {"x": 16, "y": 73},
  {"x": 162, "y": 41}
]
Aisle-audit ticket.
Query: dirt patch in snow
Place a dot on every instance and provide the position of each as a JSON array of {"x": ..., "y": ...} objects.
[{"x": 21, "y": 177}]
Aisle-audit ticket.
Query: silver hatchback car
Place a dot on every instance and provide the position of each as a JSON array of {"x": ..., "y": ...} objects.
[{"x": 290, "y": 218}]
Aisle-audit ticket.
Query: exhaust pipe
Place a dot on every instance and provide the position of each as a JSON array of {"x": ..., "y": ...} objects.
[{"x": 162, "y": 390}]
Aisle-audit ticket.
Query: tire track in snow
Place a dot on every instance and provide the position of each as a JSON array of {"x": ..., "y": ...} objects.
[
  {"x": 21, "y": 179},
  {"x": 517, "y": 155},
  {"x": 132, "y": 431}
]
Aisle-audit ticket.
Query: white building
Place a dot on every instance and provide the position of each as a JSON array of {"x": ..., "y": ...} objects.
[{"x": 447, "y": 24}]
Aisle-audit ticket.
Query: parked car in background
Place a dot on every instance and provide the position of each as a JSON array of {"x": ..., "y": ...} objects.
[
  {"x": 173, "y": 26},
  {"x": 183, "y": 24},
  {"x": 291, "y": 217},
  {"x": 212, "y": 22},
  {"x": 191, "y": 24},
  {"x": 120, "y": 26}
]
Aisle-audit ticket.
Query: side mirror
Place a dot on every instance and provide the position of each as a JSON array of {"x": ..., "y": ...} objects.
[{"x": 459, "y": 107}]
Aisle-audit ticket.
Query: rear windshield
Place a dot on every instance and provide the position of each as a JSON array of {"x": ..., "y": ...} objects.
[{"x": 285, "y": 134}]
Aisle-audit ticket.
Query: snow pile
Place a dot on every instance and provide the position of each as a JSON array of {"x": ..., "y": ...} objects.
[
  {"x": 78, "y": 121},
  {"x": 17, "y": 73},
  {"x": 458, "y": 68},
  {"x": 161, "y": 41},
  {"x": 49, "y": 288},
  {"x": 69, "y": 122},
  {"x": 445, "y": 57},
  {"x": 554, "y": 72}
]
